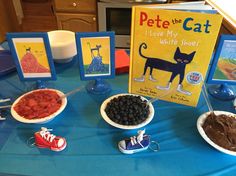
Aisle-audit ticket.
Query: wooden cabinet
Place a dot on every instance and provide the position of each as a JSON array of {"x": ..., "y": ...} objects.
[
  {"x": 8, "y": 19},
  {"x": 38, "y": 16},
  {"x": 76, "y": 15},
  {"x": 82, "y": 6},
  {"x": 77, "y": 22}
]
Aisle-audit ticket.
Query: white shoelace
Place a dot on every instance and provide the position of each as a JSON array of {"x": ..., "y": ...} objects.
[
  {"x": 5, "y": 100},
  {"x": 45, "y": 133},
  {"x": 135, "y": 141}
]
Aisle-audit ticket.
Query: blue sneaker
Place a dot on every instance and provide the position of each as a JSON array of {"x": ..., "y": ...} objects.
[{"x": 135, "y": 144}]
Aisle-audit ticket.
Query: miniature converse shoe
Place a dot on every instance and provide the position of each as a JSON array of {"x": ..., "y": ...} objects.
[
  {"x": 135, "y": 144},
  {"x": 44, "y": 139}
]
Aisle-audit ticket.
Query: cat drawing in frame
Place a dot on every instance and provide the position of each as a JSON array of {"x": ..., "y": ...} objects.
[{"x": 176, "y": 69}]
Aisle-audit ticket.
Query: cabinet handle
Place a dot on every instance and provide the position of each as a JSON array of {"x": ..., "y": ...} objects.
[
  {"x": 74, "y": 4},
  {"x": 94, "y": 19}
]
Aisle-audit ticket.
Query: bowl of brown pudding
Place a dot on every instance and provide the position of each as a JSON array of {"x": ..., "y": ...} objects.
[{"x": 219, "y": 130}]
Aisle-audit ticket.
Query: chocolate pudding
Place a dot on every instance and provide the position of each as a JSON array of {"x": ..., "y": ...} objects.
[{"x": 221, "y": 129}]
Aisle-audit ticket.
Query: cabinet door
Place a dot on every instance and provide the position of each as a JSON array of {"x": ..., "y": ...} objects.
[
  {"x": 76, "y": 6},
  {"x": 8, "y": 19},
  {"x": 77, "y": 22}
]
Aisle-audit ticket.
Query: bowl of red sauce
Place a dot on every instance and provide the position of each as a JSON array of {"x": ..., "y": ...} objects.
[{"x": 38, "y": 106}]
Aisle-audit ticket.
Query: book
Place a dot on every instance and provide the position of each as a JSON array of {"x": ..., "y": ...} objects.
[
  {"x": 171, "y": 51},
  {"x": 225, "y": 8},
  {"x": 195, "y": 6}
]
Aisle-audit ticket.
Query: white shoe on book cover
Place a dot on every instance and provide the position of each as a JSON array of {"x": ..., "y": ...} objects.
[
  {"x": 164, "y": 88},
  {"x": 141, "y": 79},
  {"x": 180, "y": 89},
  {"x": 151, "y": 78}
]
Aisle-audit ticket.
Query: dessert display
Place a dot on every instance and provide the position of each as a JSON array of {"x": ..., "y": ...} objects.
[
  {"x": 127, "y": 111},
  {"x": 221, "y": 129},
  {"x": 38, "y": 106}
]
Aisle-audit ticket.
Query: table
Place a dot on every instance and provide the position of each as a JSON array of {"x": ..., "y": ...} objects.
[{"x": 92, "y": 143}]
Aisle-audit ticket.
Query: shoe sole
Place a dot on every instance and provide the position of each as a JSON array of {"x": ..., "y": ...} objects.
[
  {"x": 54, "y": 149},
  {"x": 131, "y": 151}
]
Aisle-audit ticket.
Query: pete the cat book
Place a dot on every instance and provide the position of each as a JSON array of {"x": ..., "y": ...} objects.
[{"x": 170, "y": 52}]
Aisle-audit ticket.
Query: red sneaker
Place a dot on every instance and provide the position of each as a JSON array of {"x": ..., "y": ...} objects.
[{"x": 44, "y": 139}]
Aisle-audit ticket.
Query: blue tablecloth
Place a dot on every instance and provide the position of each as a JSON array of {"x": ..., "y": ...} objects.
[{"x": 92, "y": 143}]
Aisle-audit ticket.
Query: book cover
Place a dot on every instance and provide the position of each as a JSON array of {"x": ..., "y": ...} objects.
[{"x": 170, "y": 52}]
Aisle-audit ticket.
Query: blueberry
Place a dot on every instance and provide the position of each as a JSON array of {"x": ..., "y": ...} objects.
[
  {"x": 131, "y": 116},
  {"x": 111, "y": 115},
  {"x": 118, "y": 117},
  {"x": 125, "y": 118}
]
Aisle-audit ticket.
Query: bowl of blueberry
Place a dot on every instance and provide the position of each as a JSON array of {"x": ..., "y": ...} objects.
[{"x": 127, "y": 111}]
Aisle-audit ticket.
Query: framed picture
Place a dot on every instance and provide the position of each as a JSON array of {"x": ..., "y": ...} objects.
[
  {"x": 223, "y": 69},
  {"x": 32, "y": 56},
  {"x": 96, "y": 55}
]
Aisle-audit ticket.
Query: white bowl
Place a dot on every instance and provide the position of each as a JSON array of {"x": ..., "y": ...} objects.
[
  {"x": 127, "y": 127},
  {"x": 201, "y": 121},
  {"x": 63, "y": 45},
  {"x": 41, "y": 120}
]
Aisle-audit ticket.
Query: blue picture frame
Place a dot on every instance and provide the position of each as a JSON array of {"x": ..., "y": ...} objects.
[
  {"x": 223, "y": 69},
  {"x": 92, "y": 64},
  {"x": 41, "y": 66}
]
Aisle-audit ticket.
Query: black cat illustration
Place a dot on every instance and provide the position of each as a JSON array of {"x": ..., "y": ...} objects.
[{"x": 175, "y": 68}]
